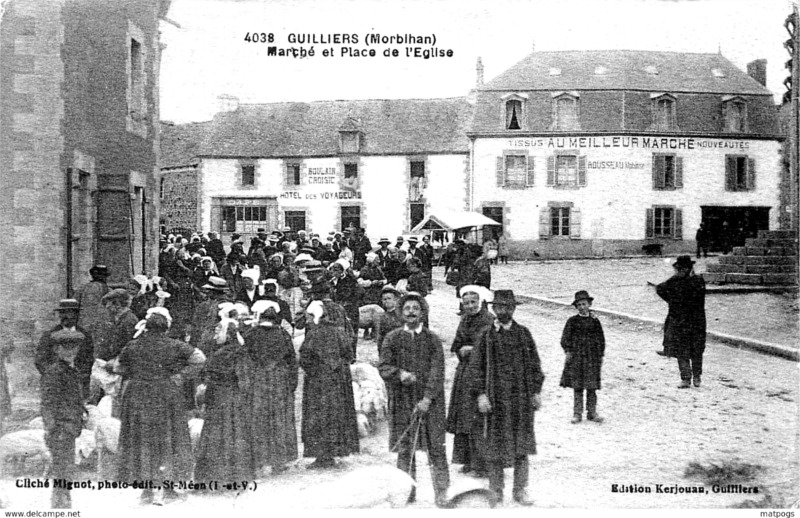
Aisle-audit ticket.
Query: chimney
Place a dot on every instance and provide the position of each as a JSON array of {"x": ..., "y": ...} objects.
[
  {"x": 533, "y": 46},
  {"x": 758, "y": 70},
  {"x": 479, "y": 69},
  {"x": 227, "y": 103}
]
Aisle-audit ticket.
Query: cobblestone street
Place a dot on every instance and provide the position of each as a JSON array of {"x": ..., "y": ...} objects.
[{"x": 746, "y": 411}]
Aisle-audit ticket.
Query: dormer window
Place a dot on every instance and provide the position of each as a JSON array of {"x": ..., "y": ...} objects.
[
  {"x": 600, "y": 70},
  {"x": 566, "y": 111},
  {"x": 555, "y": 71},
  {"x": 514, "y": 111},
  {"x": 651, "y": 69},
  {"x": 717, "y": 72},
  {"x": 734, "y": 109},
  {"x": 349, "y": 141},
  {"x": 664, "y": 117}
]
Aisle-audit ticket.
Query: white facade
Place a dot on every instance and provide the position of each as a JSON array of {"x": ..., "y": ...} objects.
[
  {"x": 382, "y": 191},
  {"x": 609, "y": 209}
]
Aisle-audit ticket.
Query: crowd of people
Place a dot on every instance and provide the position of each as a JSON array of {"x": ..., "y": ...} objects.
[{"x": 219, "y": 339}]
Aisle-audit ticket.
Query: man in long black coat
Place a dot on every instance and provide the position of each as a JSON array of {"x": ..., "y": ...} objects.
[
  {"x": 685, "y": 327},
  {"x": 505, "y": 376}
]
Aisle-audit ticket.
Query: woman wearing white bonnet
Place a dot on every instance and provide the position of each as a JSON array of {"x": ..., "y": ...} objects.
[{"x": 475, "y": 321}]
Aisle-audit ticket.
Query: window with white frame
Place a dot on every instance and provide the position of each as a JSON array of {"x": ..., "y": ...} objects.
[
  {"x": 663, "y": 221},
  {"x": 248, "y": 175},
  {"x": 293, "y": 177},
  {"x": 559, "y": 221},
  {"x": 667, "y": 171},
  {"x": 513, "y": 114},
  {"x": 566, "y": 111},
  {"x": 515, "y": 170}
]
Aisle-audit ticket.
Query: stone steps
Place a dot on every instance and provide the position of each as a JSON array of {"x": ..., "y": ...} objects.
[{"x": 768, "y": 260}]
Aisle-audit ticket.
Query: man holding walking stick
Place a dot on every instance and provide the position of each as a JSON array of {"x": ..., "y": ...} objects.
[
  {"x": 412, "y": 364},
  {"x": 505, "y": 376}
]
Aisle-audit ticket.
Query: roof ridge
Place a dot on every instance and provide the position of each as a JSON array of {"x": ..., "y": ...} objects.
[{"x": 320, "y": 101}]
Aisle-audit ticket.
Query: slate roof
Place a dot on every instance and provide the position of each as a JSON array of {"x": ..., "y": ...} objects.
[
  {"x": 626, "y": 70},
  {"x": 180, "y": 143},
  {"x": 399, "y": 126}
]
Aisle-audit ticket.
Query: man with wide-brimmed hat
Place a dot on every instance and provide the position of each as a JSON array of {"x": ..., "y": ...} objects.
[
  {"x": 505, "y": 375},
  {"x": 45, "y": 352},
  {"x": 206, "y": 313},
  {"x": 383, "y": 252},
  {"x": 412, "y": 364},
  {"x": 62, "y": 409},
  {"x": 392, "y": 317},
  {"x": 118, "y": 304},
  {"x": 685, "y": 327}
]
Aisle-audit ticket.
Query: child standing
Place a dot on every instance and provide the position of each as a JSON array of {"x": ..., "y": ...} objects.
[
  {"x": 62, "y": 411},
  {"x": 584, "y": 344}
]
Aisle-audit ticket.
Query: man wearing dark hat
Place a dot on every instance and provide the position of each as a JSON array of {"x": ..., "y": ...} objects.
[
  {"x": 427, "y": 263},
  {"x": 505, "y": 375},
  {"x": 215, "y": 249},
  {"x": 206, "y": 313},
  {"x": 392, "y": 317},
  {"x": 412, "y": 364},
  {"x": 685, "y": 327},
  {"x": 93, "y": 315},
  {"x": 361, "y": 246},
  {"x": 84, "y": 358},
  {"x": 118, "y": 304},
  {"x": 399, "y": 242},
  {"x": 62, "y": 409}
]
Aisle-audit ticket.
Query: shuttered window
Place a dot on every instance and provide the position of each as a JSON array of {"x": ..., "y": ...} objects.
[
  {"x": 667, "y": 171},
  {"x": 560, "y": 219},
  {"x": 735, "y": 112},
  {"x": 664, "y": 222},
  {"x": 515, "y": 171},
  {"x": 293, "y": 176},
  {"x": 514, "y": 114},
  {"x": 566, "y": 170},
  {"x": 565, "y": 114},
  {"x": 740, "y": 173},
  {"x": 248, "y": 175},
  {"x": 664, "y": 113}
]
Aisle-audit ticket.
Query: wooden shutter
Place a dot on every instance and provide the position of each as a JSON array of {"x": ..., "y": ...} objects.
[
  {"x": 551, "y": 170},
  {"x": 574, "y": 223},
  {"x": 303, "y": 173},
  {"x": 677, "y": 230},
  {"x": 530, "y": 177},
  {"x": 544, "y": 223},
  {"x": 648, "y": 224},
  {"x": 730, "y": 173},
  {"x": 501, "y": 171},
  {"x": 582, "y": 170},
  {"x": 678, "y": 172},
  {"x": 658, "y": 171},
  {"x": 751, "y": 174}
]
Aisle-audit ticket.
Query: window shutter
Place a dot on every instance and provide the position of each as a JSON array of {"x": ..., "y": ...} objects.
[
  {"x": 529, "y": 179},
  {"x": 659, "y": 165},
  {"x": 655, "y": 171},
  {"x": 648, "y": 224},
  {"x": 678, "y": 172},
  {"x": 677, "y": 231},
  {"x": 303, "y": 174},
  {"x": 574, "y": 223},
  {"x": 287, "y": 176},
  {"x": 751, "y": 174},
  {"x": 730, "y": 173},
  {"x": 551, "y": 170},
  {"x": 544, "y": 223},
  {"x": 582, "y": 170},
  {"x": 501, "y": 171}
]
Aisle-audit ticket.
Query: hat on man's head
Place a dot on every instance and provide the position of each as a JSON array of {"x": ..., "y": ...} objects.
[
  {"x": 505, "y": 297},
  {"x": 68, "y": 305},
  {"x": 413, "y": 239},
  {"x": 286, "y": 229},
  {"x": 98, "y": 270},
  {"x": 313, "y": 266},
  {"x": 390, "y": 289},
  {"x": 384, "y": 240},
  {"x": 260, "y": 230},
  {"x": 683, "y": 261},
  {"x": 582, "y": 295},
  {"x": 400, "y": 238},
  {"x": 67, "y": 338},
  {"x": 216, "y": 284}
]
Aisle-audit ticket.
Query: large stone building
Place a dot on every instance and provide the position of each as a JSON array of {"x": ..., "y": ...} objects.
[
  {"x": 575, "y": 154},
  {"x": 78, "y": 150},
  {"x": 379, "y": 164},
  {"x": 604, "y": 152}
]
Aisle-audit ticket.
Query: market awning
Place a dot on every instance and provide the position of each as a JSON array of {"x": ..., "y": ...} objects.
[{"x": 447, "y": 220}]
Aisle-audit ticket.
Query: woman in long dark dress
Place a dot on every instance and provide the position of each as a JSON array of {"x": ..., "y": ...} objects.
[
  {"x": 273, "y": 381},
  {"x": 330, "y": 428},
  {"x": 463, "y": 409},
  {"x": 154, "y": 443},
  {"x": 225, "y": 450}
]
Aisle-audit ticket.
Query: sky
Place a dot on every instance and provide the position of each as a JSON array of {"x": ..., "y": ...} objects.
[{"x": 207, "y": 56}]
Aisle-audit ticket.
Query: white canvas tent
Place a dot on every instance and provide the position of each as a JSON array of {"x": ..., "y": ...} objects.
[{"x": 445, "y": 226}]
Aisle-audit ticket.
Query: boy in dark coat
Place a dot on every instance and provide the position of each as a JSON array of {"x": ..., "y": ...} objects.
[
  {"x": 584, "y": 343},
  {"x": 505, "y": 376},
  {"x": 412, "y": 364},
  {"x": 62, "y": 411}
]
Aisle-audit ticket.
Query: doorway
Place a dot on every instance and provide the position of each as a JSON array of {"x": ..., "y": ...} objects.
[{"x": 727, "y": 227}]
